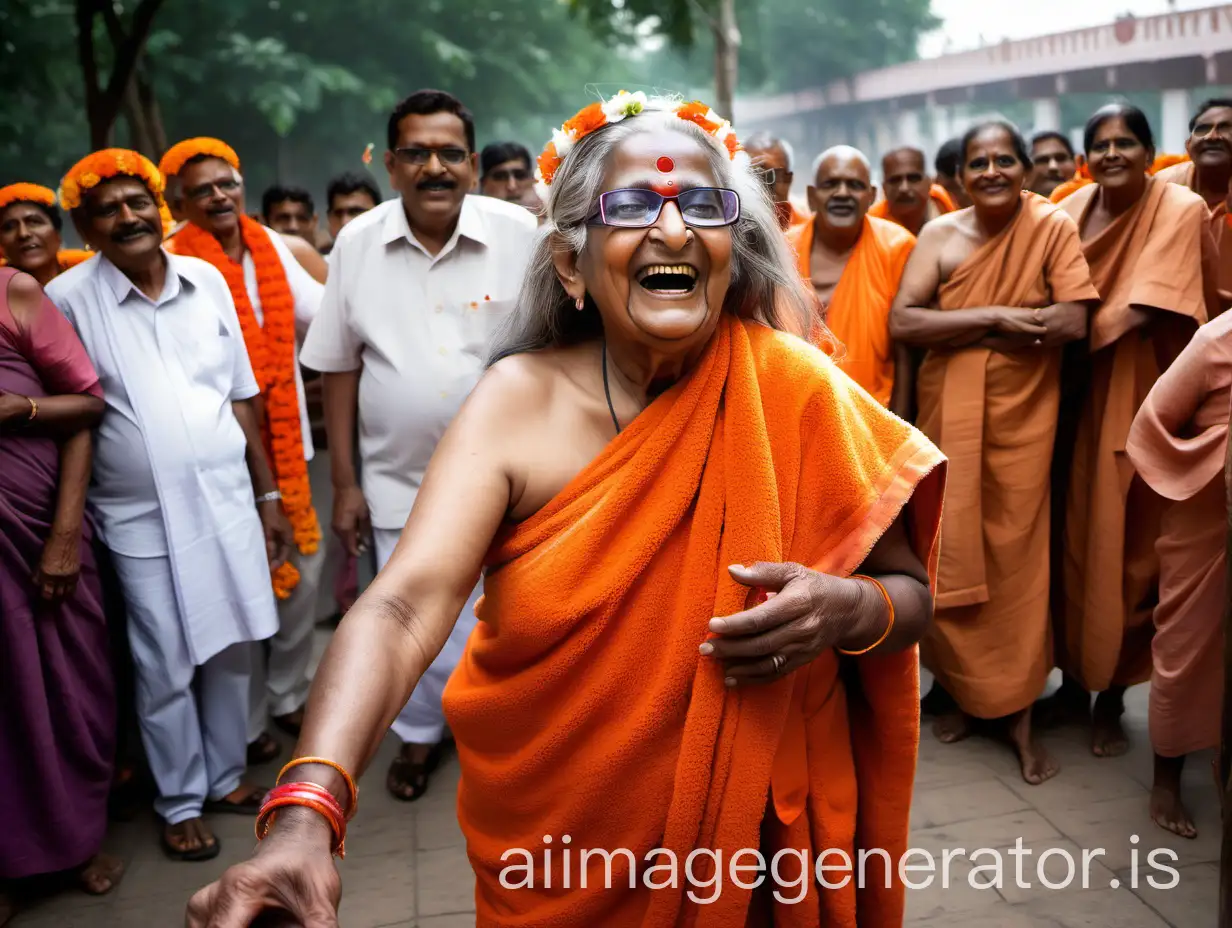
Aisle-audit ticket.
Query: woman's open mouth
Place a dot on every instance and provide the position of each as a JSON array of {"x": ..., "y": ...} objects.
[{"x": 668, "y": 279}]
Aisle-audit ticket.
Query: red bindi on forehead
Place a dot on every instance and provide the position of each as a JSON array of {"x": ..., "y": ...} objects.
[{"x": 665, "y": 164}]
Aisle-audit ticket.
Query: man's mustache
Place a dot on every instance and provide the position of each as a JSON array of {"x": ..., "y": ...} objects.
[
  {"x": 436, "y": 183},
  {"x": 132, "y": 231}
]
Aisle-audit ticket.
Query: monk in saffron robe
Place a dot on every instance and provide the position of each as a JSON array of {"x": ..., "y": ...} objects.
[
  {"x": 1177, "y": 444},
  {"x": 911, "y": 199},
  {"x": 854, "y": 264},
  {"x": 1207, "y": 171},
  {"x": 994, "y": 292},
  {"x": 604, "y": 702},
  {"x": 1151, "y": 259}
]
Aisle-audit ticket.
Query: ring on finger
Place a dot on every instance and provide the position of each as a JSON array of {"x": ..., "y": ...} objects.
[{"x": 778, "y": 660}]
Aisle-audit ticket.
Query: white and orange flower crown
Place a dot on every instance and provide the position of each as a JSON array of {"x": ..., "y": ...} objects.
[{"x": 620, "y": 107}]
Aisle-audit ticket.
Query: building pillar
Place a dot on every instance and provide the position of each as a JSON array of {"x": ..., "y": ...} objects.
[
  {"x": 908, "y": 130},
  {"x": 1174, "y": 126},
  {"x": 1047, "y": 115}
]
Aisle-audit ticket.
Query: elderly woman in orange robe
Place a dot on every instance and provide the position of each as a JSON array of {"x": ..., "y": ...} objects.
[
  {"x": 1178, "y": 443},
  {"x": 1152, "y": 260},
  {"x": 649, "y": 459}
]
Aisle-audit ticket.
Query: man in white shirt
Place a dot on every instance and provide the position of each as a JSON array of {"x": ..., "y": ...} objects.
[
  {"x": 178, "y": 459},
  {"x": 416, "y": 288},
  {"x": 276, "y": 300}
]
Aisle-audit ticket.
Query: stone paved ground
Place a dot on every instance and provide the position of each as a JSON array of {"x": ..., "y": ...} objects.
[{"x": 406, "y": 865}]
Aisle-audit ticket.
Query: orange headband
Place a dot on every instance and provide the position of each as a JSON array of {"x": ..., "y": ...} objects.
[
  {"x": 181, "y": 153},
  {"x": 103, "y": 165},
  {"x": 27, "y": 193}
]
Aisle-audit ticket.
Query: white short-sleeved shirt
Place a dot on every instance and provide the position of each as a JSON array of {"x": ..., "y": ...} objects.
[
  {"x": 189, "y": 343},
  {"x": 306, "y": 293},
  {"x": 420, "y": 326}
]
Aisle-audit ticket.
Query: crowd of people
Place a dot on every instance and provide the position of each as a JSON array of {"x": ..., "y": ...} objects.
[{"x": 560, "y": 408}]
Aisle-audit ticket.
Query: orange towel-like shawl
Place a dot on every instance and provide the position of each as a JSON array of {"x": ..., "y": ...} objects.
[
  {"x": 859, "y": 311},
  {"x": 1151, "y": 256},
  {"x": 1177, "y": 443},
  {"x": 582, "y": 707},
  {"x": 940, "y": 204},
  {"x": 994, "y": 416}
]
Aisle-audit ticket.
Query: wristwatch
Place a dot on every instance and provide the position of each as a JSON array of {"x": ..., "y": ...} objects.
[{"x": 269, "y": 497}]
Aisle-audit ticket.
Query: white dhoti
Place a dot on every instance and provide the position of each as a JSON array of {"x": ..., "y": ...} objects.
[
  {"x": 281, "y": 668},
  {"x": 195, "y": 743},
  {"x": 422, "y": 720}
]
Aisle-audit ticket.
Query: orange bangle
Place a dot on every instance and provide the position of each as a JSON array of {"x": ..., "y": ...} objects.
[
  {"x": 889, "y": 626},
  {"x": 352, "y": 789}
]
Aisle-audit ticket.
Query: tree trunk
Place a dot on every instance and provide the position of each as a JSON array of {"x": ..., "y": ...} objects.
[
  {"x": 1225, "y": 741},
  {"x": 726, "y": 58},
  {"x": 153, "y": 115},
  {"x": 104, "y": 104}
]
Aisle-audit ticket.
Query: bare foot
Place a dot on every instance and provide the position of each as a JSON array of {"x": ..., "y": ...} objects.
[
  {"x": 102, "y": 874},
  {"x": 1108, "y": 738},
  {"x": 190, "y": 840},
  {"x": 1169, "y": 813},
  {"x": 1037, "y": 764},
  {"x": 951, "y": 727},
  {"x": 1167, "y": 810}
]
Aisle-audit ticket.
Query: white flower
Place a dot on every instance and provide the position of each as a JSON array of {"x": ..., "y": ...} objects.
[
  {"x": 742, "y": 160},
  {"x": 624, "y": 104},
  {"x": 563, "y": 142},
  {"x": 723, "y": 132}
]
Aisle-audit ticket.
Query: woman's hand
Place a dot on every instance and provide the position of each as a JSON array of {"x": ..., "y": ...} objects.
[
  {"x": 291, "y": 880},
  {"x": 59, "y": 567},
  {"x": 805, "y": 613}
]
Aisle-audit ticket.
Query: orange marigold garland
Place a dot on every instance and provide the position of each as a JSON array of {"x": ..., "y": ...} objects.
[
  {"x": 181, "y": 153},
  {"x": 27, "y": 193},
  {"x": 271, "y": 349},
  {"x": 103, "y": 165},
  {"x": 621, "y": 106}
]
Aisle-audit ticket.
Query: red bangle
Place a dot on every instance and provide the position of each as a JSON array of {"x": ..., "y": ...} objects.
[{"x": 309, "y": 796}]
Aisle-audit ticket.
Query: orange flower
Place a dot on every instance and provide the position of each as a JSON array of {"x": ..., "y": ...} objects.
[
  {"x": 586, "y": 121},
  {"x": 271, "y": 350},
  {"x": 26, "y": 193},
  {"x": 695, "y": 112},
  {"x": 181, "y": 153},
  {"x": 549, "y": 161},
  {"x": 103, "y": 165},
  {"x": 71, "y": 257}
]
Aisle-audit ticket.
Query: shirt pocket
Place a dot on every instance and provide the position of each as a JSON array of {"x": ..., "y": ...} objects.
[{"x": 483, "y": 322}]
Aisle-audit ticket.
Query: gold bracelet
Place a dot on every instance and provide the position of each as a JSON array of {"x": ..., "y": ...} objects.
[
  {"x": 33, "y": 409},
  {"x": 889, "y": 626}
]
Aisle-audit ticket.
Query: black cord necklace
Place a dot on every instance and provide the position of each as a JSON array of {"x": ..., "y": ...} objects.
[{"x": 607, "y": 390}]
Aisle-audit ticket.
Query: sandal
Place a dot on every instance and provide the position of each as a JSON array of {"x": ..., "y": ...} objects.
[
  {"x": 208, "y": 850},
  {"x": 263, "y": 750},
  {"x": 404, "y": 773},
  {"x": 249, "y": 805}
]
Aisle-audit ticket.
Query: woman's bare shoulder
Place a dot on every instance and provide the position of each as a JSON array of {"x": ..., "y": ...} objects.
[{"x": 530, "y": 379}]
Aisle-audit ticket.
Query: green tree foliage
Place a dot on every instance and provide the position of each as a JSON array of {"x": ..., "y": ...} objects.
[
  {"x": 785, "y": 44},
  {"x": 300, "y": 87}
]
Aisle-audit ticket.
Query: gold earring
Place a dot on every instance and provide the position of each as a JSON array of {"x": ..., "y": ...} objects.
[{"x": 580, "y": 303}]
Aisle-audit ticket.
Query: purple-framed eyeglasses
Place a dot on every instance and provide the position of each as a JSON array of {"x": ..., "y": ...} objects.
[{"x": 638, "y": 207}]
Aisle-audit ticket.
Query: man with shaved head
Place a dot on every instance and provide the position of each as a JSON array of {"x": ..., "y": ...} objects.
[
  {"x": 854, "y": 262},
  {"x": 773, "y": 156},
  {"x": 911, "y": 199}
]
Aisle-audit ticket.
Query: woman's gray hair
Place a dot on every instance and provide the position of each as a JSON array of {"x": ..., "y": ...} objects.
[{"x": 765, "y": 283}]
